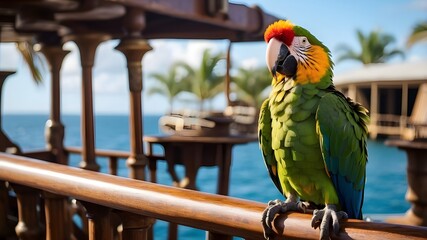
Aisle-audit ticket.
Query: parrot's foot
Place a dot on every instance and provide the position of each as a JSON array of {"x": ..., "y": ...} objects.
[
  {"x": 325, "y": 218},
  {"x": 276, "y": 207}
]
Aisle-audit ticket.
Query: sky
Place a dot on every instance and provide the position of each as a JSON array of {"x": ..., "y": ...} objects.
[{"x": 334, "y": 22}]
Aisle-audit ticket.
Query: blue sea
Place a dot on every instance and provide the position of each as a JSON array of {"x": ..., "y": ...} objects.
[{"x": 386, "y": 171}]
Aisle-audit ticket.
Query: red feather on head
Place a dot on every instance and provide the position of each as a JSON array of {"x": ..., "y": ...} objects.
[{"x": 281, "y": 30}]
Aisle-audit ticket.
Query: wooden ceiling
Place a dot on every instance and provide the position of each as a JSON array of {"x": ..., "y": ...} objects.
[{"x": 149, "y": 19}]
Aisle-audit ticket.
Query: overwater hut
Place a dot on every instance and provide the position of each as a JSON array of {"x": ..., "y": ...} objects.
[{"x": 395, "y": 94}]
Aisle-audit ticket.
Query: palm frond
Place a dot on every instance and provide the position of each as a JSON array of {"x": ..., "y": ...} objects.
[
  {"x": 419, "y": 34},
  {"x": 32, "y": 59},
  {"x": 373, "y": 48}
]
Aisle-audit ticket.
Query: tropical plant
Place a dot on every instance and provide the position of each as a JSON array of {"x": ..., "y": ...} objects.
[
  {"x": 419, "y": 34},
  {"x": 374, "y": 48},
  {"x": 32, "y": 59},
  {"x": 170, "y": 84},
  {"x": 250, "y": 83},
  {"x": 205, "y": 80}
]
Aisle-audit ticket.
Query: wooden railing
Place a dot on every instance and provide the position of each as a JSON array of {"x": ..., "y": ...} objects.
[
  {"x": 389, "y": 125},
  {"x": 112, "y": 155},
  {"x": 137, "y": 203}
]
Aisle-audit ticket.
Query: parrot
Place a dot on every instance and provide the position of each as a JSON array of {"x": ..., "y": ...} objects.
[{"x": 312, "y": 137}]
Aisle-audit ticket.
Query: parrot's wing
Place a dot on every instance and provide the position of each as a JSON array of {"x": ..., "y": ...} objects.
[
  {"x": 341, "y": 125},
  {"x": 264, "y": 138}
]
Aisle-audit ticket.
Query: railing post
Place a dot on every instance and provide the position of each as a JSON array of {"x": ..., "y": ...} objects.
[
  {"x": 99, "y": 221},
  {"x": 87, "y": 44},
  {"x": 135, "y": 227},
  {"x": 4, "y": 206},
  {"x": 28, "y": 226},
  {"x": 54, "y": 130},
  {"x": 112, "y": 165},
  {"x": 134, "y": 48},
  {"x": 58, "y": 219},
  {"x": 217, "y": 236}
]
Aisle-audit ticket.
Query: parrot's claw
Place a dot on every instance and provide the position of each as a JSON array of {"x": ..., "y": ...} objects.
[
  {"x": 322, "y": 218},
  {"x": 276, "y": 207}
]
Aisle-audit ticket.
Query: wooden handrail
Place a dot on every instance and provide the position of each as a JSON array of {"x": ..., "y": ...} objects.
[
  {"x": 100, "y": 152},
  {"x": 112, "y": 153},
  {"x": 215, "y": 213}
]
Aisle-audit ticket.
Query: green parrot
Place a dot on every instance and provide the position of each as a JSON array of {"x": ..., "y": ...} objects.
[{"x": 313, "y": 138}]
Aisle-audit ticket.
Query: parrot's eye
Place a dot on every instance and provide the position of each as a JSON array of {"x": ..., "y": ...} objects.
[
  {"x": 304, "y": 42},
  {"x": 301, "y": 42}
]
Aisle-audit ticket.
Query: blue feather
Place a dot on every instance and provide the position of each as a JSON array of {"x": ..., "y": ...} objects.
[{"x": 350, "y": 198}]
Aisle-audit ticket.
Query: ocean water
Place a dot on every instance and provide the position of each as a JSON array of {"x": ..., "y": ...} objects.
[{"x": 386, "y": 170}]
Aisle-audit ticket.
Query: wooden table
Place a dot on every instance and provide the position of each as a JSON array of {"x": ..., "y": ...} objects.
[{"x": 194, "y": 152}]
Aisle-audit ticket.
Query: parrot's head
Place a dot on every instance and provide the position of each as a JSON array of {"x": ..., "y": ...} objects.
[{"x": 294, "y": 53}]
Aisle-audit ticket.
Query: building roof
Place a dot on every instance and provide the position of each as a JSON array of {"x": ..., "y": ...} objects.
[{"x": 384, "y": 72}]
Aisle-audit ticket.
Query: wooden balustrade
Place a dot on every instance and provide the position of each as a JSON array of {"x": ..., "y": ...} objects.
[
  {"x": 217, "y": 214},
  {"x": 115, "y": 155},
  {"x": 112, "y": 155}
]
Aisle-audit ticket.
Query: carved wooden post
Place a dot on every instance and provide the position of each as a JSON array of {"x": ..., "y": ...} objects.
[
  {"x": 135, "y": 227},
  {"x": 58, "y": 219},
  {"x": 134, "y": 48},
  {"x": 99, "y": 221},
  {"x": 28, "y": 226},
  {"x": 87, "y": 44},
  {"x": 54, "y": 130}
]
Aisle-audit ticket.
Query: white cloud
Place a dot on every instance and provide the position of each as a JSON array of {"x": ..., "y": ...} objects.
[
  {"x": 419, "y": 5},
  {"x": 250, "y": 63},
  {"x": 109, "y": 71},
  {"x": 9, "y": 56},
  {"x": 162, "y": 56},
  {"x": 167, "y": 52},
  {"x": 111, "y": 83},
  {"x": 71, "y": 62}
]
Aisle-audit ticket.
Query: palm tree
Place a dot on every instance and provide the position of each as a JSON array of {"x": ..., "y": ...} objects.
[
  {"x": 374, "y": 48},
  {"x": 419, "y": 34},
  {"x": 171, "y": 84},
  {"x": 205, "y": 81},
  {"x": 250, "y": 85}
]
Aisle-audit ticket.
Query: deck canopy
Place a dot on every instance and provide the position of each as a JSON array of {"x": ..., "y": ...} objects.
[{"x": 184, "y": 19}]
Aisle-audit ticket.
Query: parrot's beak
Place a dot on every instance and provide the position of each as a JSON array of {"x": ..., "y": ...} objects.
[{"x": 279, "y": 59}]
